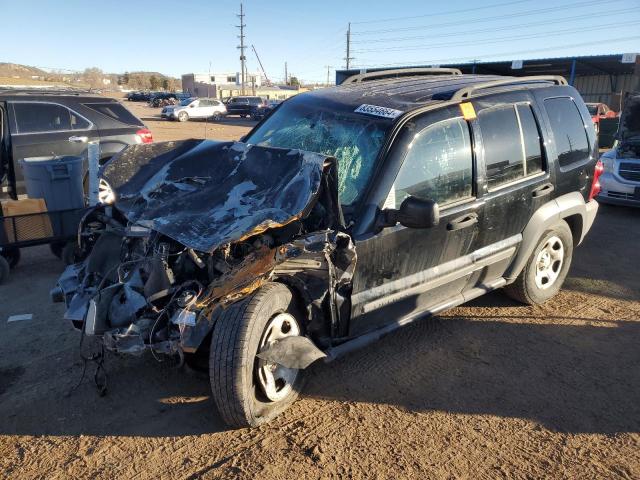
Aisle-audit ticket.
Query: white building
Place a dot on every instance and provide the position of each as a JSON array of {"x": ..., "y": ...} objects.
[{"x": 202, "y": 84}]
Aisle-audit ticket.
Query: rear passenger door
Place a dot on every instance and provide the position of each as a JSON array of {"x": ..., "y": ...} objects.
[
  {"x": 516, "y": 179},
  {"x": 46, "y": 129}
]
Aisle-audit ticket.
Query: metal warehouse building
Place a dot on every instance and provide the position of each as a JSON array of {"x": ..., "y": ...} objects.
[{"x": 599, "y": 78}]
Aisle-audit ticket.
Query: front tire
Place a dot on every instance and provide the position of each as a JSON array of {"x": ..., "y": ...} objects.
[
  {"x": 183, "y": 116},
  {"x": 249, "y": 391},
  {"x": 546, "y": 269}
]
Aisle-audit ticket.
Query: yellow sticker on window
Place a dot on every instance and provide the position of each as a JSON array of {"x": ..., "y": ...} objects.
[{"x": 468, "y": 112}]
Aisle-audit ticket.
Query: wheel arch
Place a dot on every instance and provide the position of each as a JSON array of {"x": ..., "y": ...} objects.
[{"x": 570, "y": 208}]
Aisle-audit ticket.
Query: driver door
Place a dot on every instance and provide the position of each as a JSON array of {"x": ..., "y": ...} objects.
[{"x": 403, "y": 271}]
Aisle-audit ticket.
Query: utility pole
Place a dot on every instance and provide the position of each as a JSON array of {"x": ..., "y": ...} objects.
[
  {"x": 286, "y": 74},
  {"x": 348, "y": 58},
  {"x": 241, "y": 47},
  {"x": 328, "y": 74}
]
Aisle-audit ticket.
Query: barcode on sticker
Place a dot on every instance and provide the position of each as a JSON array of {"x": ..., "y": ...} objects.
[{"x": 378, "y": 111}]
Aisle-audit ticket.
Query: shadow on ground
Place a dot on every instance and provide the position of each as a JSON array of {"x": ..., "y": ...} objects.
[{"x": 568, "y": 377}]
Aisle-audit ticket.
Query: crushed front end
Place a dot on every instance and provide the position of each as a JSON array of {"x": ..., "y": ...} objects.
[{"x": 198, "y": 225}]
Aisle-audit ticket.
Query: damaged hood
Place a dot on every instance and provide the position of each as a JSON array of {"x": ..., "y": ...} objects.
[
  {"x": 629, "y": 129},
  {"x": 205, "y": 194}
]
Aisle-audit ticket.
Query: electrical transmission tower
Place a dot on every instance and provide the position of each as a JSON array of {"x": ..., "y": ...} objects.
[{"x": 241, "y": 47}]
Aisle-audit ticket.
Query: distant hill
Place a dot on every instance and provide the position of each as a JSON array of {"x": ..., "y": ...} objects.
[
  {"x": 94, "y": 77},
  {"x": 21, "y": 71}
]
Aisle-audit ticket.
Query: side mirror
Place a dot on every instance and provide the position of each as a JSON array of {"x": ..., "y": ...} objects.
[{"x": 413, "y": 213}]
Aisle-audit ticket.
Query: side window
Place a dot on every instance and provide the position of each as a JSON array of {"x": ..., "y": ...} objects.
[
  {"x": 569, "y": 134},
  {"x": 532, "y": 140},
  {"x": 78, "y": 122},
  {"x": 502, "y": 146},
  {"x": 438, "y": 164},
  {"x": 41, "y": 117},
  {"x": 512, "y": 144}
]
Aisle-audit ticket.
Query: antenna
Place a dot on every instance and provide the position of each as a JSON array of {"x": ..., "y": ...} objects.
[{"x": 241, "y": 47}]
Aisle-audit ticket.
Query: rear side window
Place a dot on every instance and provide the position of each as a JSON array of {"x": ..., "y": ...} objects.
[
  {"x": 569, "y": 133},
  {"x": 531, "y": 138},
  {"x": 115, "y": 111},
  {"x": 41, "y": 117},
  {"x": 511, "y": 142},
  {"x": 438, "y": 165}
]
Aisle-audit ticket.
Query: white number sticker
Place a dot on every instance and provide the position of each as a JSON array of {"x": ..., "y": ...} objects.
[{"x": 378, "y": 111}]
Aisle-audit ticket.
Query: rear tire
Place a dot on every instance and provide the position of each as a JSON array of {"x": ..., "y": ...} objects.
[
  {"x": 546, "y": 269},
  {"x": 4, "y": 270},
  {"x": 71, "y": 253},
  {"x": 246, "y": 390},
  {"x": 12, "y": 256},
  {"x": 57, "y": 247}
]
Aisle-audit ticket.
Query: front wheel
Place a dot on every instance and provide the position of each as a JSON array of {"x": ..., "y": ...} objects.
[
  {"x": 183, "y": 116},
  {"x": 546, "y": 269},
  {"x": 249, "y": 391}
]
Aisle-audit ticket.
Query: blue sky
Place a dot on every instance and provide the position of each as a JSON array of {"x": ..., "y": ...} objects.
[{"x": 176, "y": 37}]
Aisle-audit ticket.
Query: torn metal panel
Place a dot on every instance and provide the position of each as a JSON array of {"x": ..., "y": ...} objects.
[
  {"x": 205, "y": 194},
  {"x": 197, "y": 226},
  {"x": 291, "y": 352}
]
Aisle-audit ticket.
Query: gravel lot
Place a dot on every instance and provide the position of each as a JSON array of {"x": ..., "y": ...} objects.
[{"x": 491, "y": 389}]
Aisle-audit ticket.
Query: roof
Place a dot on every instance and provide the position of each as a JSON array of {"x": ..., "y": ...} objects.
[
  {"x": 405, "y": 93},
  {"x": 584, "y": 65},
  {"x": 52, "y": 93}
]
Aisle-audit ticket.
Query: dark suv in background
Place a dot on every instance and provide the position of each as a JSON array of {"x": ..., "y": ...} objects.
[
  {"x": 253, "y": 107},
  {"x": 43, "y": 123}
]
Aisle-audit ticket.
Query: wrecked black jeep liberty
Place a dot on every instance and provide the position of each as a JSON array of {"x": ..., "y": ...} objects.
[{"x": 345, "y": 214}]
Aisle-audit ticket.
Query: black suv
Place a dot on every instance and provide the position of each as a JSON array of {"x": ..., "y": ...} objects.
[
  {"x": 345, "y": 214},
  {"x": 253, "y": 107},
  {"x": 41, "y": 123}
]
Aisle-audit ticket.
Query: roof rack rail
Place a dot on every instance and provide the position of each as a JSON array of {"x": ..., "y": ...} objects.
[
  {"x": 466, "y": 92},
  {"x": 45, "y": 88},
  {"x": 400, "y": 72}
]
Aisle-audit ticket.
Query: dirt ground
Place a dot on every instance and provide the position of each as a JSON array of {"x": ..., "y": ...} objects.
[{"x": 491, "y": 389}]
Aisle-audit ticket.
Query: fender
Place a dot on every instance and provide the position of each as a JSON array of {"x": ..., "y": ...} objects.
[{"x": 565, "y": 206}]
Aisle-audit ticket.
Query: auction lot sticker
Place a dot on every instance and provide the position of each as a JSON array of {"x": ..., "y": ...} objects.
[{"x": 378, "y": 111}]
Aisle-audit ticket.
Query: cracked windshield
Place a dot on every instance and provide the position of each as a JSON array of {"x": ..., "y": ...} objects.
[{"x": 354, "y": 139}]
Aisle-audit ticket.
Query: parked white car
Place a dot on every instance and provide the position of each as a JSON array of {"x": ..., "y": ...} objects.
[
  {"x": 195, "y": 108},
  {"x": 620, "y": 180}
]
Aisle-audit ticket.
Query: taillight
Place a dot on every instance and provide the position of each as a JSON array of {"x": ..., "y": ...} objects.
[
  {"x": 595, "y": 184},
  {"x": 145, "y": 136}
]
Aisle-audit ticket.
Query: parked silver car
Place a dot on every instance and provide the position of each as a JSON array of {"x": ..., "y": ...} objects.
[
  {"x": 195, "y": 108},
  {"x": 620, "y": 180}
]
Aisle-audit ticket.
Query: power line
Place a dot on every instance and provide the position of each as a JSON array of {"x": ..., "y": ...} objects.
[
  {"x": 450, "y": 12},
  {"x": 551, "y": 33},
  {"x": 456, "y": 33},
  {"x": 492, "y": 18},
  {"x": 470, "y": 58}
]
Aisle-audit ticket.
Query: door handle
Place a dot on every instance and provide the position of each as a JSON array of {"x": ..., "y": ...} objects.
[
  {"x": 463, "y": 222},
  {"x": 77, "y": 139},
  {"x": 543, "y": 190}
]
